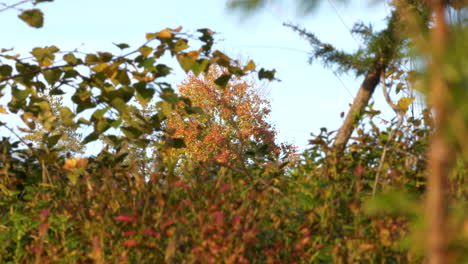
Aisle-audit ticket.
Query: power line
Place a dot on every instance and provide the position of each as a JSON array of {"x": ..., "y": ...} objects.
[{"x": 342, "y": 20}]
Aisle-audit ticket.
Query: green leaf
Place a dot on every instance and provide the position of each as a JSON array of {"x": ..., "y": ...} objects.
[
  {"x": 52, "y": 76},
  {"x": 33, "y": 17},
  {"x": 122, "y": 45},
  {"x": 44, "y": 56},
  {"x": 185, "y": 61},
  {"x": 169, "y": 96},
  {"x": 70, "y": 58},
  {"x": 162, "y": 70},
  {"x": 176, "y": 142},
  {"x": 223, "y": 80},
  {"x": 206, "y": 38},
  {"x": 52, "y": 140},
  {"x": 119, "y": 104},
  {"x": 265, "y": 74},
  {"x": 67, "y": 116},
  {"x": 122, "y": 77},
  {"x": 145, "y": 51},
  {"x": 92, "y": 59},
  {"x": 100, "y": 113},
  {"x": 105, "y": 56},
  {"x": 5, "y": 70},
  {"x": 91, "y": 137},
  {"x": 199, "y": 66},
  {"x": 144, "y": 94},
  {"x": 221, "y": 59},
  {"x": 180, "y": 45},
  {"x": 131, "y": 132}
]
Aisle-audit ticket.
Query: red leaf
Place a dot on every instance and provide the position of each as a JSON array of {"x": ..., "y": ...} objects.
[
  {"x": 125, "y": 218},
  {"x": 218, "y": 217},
  {"x": 167, "y": 223},
  {"x": 44, "y": 214},
  {"x": 129, "y": 233},
  {"x": 130, "y": 243},
  {"x": 151, "y": 232}
]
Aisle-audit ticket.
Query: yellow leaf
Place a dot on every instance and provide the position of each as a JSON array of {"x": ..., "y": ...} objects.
[
  {"x": 3, "y": 110},
  {"x": 25, "y": 130},
  {"x": 145, "y": 51},
  {"x": 178, "y": 29},
  {"x": 405, "y": 102},
  {"x": 164, "y": 34},
  {"x": 250, "y": 66},
  {"x": 70, "y": 164},
  {"x": 100, "y": 67},
  {"x": 193, "y": 55},
  {"x": 75, "y": 163},
  {"x": 45, "y": 63},
  {"x": 142, "y": 78},
  {"x": 150, "y": 36}
]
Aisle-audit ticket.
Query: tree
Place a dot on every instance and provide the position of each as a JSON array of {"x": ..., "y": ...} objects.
[
  {"x": 230, "y": 128},
  {"x": 68, "y": 139}
]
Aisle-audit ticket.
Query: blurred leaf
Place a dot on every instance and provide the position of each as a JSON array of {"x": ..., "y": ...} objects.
[
  {"x": 265, "y": 74},
  {"x": 122, "y": 46},
  {"x": 223, "y": 80},
  {"x": 33, "y": 17}
]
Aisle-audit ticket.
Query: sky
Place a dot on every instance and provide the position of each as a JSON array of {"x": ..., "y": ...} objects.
[{"x": 307, "y": 98}]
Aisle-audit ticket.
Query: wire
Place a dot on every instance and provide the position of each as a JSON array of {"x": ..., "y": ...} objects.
[
  {"x": 267, "y": 47},
  {"x": 342, "y": 20}
]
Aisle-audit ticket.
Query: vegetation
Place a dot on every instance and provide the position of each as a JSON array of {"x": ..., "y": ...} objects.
[{"x": 197, "y": 177}]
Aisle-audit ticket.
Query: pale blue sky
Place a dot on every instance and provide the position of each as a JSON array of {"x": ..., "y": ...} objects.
[{"x": 309, "y": 97}]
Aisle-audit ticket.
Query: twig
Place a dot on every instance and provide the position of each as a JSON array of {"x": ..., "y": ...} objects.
[
  {"x": 400, "y": 115},
  {"x": 14, "y": 5}
]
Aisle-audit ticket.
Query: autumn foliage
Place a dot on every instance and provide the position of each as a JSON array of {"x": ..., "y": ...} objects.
[
  {"x": 231, "y": 129},
  {"x": 195, "y": 175}
]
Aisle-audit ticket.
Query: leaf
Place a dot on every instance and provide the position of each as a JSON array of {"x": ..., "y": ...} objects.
[
  {"x": 150, "y": 36},
  {"x": 145, "y": 51},
  {"x": 52, "y": 140},
  {"x": 250, "y": 66},
  {"x": 206, "y": 38},
  {"x": 405, "y": 102},
  {"x": 131, "y": 132},
  {"x": 176, "y": 142},
  {"x": 144, "y": 94},
  {"x": 265, "y": 74},
  {"x": 3, "y": 110},
  {"x": 164, "y": 34},
  {"x": 70, "y": 58},
  {"x": 5, "y": 70},
  {"x": 67, "y": 116},
  {"x": 199, "y": 66},
  {"x": 223, "y": 80},
  {"x": 122, "y": 46},
  {"x": 122, "y": 77},
  {"x": 185, "y": 61},
  {"x": 44, "y": 56},
  {"x": 92, "y": 59},
  {"x": 180, "y": 45},
  {"x": 28, "y": 119},
  {"x": 52, "y": 76},
  {"x": 91, "y": 137},
  {"x": 221, "y": 59},
  {"x": 33, "y": 17},
  {"x": 105, "y": 56},
  {"x": 100, "y": 67}
]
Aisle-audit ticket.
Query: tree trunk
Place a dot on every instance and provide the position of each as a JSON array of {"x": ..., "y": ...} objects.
[
  {"x": 360, "y": 102},
  {"x": 441, "y": 154}
]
